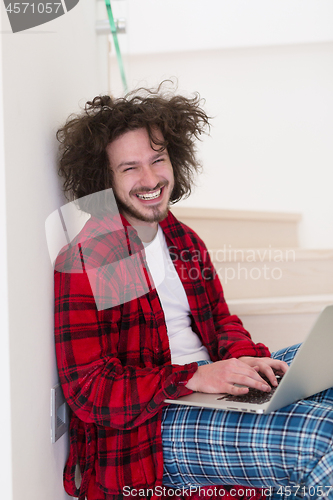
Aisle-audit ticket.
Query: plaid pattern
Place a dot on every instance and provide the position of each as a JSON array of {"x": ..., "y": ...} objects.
[
  {"x": 114, "y": 362},
  {"x": 290, "y": 447}
]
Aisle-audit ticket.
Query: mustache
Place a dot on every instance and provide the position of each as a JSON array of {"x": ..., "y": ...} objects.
[{"x": 145, "y": 189}]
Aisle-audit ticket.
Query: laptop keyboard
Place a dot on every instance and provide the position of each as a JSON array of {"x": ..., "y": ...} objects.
[{"x": 254, "y": 396}]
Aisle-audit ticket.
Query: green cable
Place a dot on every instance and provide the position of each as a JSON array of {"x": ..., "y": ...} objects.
[{"x": 116, "y": 44}]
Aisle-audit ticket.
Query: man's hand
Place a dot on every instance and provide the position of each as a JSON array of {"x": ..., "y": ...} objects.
[
  {"x": 222, "y": 376},
  {"x": 266, "y": 366}
]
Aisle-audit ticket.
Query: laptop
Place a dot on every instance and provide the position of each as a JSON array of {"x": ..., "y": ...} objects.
[{"x": 310, "y": 372}]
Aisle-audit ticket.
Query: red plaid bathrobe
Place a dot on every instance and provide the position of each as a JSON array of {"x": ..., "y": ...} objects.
[{"x": 113, "y": 352}]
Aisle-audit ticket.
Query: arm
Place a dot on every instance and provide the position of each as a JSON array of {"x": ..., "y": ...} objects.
[
  {"x": 222, "y": 376},
  {"x": 99, "y": 383}
]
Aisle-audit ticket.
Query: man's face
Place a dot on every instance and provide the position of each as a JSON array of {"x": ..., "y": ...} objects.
[{"x": 142, "y": 177}]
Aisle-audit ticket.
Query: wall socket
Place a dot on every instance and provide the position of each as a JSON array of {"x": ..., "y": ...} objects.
[{"x": 59, "y": 413}]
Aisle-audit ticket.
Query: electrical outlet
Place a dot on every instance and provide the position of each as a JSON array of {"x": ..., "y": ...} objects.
[{"x": 59, "y": 413}]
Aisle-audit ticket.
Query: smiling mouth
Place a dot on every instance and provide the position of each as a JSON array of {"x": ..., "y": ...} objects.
[{"x": 150, "y": 196}]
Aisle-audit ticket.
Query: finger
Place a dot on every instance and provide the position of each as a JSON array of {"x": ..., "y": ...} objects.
[
  {"x": 281, "y": 366},
  {"x": 272, "y": 368},
  {"x": 277, "y": 364},
  {"x": 266, "y": 370},
  {"x": 255, "y": 383},
  {"x": 261, "y": 365},
  {"x": 260, "y": 383},
  {"x": 278, "y": 367},
  {"x": 236, "y": 390},
  {"x": 247, "y": 375},
  {"x": 269, "y": 373}
]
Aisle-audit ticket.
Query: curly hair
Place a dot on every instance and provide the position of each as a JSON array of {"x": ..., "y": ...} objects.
[{"x": 83, "y": 161}]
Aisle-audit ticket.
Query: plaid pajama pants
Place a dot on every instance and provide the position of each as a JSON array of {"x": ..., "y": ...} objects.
[{"x": 288, "y": 453}]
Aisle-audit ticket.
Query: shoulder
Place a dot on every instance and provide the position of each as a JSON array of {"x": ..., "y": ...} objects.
[
  {"x": 181, "y": 234},
  {"x": 99, "y": 242}
]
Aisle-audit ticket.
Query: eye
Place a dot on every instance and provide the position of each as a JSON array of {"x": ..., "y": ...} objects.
[{"x": 159, "y": 160}]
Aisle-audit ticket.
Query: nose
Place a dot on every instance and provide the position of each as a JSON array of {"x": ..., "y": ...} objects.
[{"x": 149, "y": 178}]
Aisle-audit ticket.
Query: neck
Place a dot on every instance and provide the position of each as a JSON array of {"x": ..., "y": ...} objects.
[
  {"x": 146, "y": 230},
  {"x": 146, "y": 233}
]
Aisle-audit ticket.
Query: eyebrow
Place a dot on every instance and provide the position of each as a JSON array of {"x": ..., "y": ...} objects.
[
  {"x": 135, "y": 162},
  {"x": 125, "y": 163}
]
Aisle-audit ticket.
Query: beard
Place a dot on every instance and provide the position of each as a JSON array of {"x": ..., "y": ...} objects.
[{"x": 154, "y": 214}]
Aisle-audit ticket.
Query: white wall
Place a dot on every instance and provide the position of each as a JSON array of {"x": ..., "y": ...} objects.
[
  {"x": 159, "y": 26},
  {"x": 271, "y": 141},
  {"x": 5, "y": 413},
  {"x": 265, "y": 70},
  {"x": 47, "y": 71}
]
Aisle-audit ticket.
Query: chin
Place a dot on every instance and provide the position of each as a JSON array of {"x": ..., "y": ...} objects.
[
  {"x": 149, "y": 215},
  {"x": 156, "y": 216}
]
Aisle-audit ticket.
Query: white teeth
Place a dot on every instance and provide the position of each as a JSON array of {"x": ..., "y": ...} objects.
[{"x": 150, "y": 196}]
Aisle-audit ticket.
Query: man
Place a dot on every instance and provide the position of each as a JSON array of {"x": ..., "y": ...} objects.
[{"x": 128, "y": 337}]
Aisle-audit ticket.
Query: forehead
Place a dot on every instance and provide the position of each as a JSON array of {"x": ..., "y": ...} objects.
[{"x": 132, "y": 145}]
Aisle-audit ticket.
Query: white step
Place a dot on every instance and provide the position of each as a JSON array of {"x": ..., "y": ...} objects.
[
  {"x": 279, "y": 321},
  {"x": 241, "y": 228},
  {"x": 273, "y": 272}
]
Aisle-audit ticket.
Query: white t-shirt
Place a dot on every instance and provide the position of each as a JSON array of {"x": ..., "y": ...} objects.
[{"x": 185, "y": 345}]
